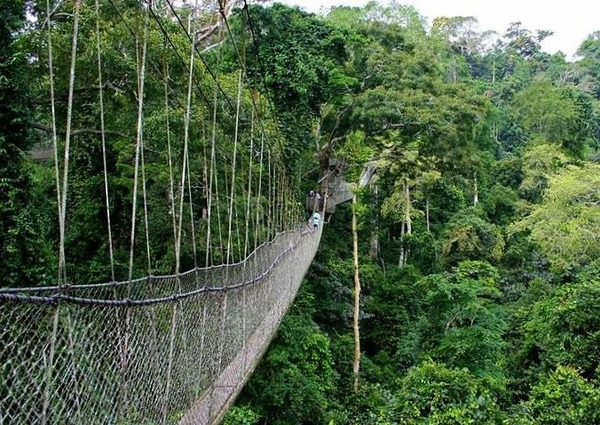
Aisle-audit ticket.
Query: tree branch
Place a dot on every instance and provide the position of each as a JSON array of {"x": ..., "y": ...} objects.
[{"x": 94, "y": 131}]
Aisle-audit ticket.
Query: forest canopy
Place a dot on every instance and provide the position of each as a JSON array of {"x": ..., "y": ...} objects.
[{"x": 478, "y": 232}]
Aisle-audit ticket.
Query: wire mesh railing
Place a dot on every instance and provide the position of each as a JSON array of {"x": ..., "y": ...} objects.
[{"x": 159, "y": 350}]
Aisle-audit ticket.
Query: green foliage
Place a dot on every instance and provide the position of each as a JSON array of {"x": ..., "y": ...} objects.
[
  {"x": 449, "y": 337},
  {"x": 564, "y": 328},
  {"x": 24, "y": 254},
  {"x": 468, "y": 236},
  {"x": 501, "y": 204},
  {"x": 241, "y": 415},
  {"x": 296, "y": 376},
  {"x": 539, "y": 163},
  {"x": 424, "y": 250},
  {"x": 299, "y": 60},
  {"x": 547, "y": 114},
  {"x": 356, "y": 152},
  {"x": 508, "y": 171},
  {"x": 459, "y": 324},
  {"x": 433, "y": 393},
  {"x": 566, "y": 224},
  {"x": 590, "y": 64},
  {"x": 391, "y": 305},
  {"x": 562, "y": 397}
]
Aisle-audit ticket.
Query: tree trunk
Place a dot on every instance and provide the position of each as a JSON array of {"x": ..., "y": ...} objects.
[
  {"x": 407, "y": 217},
  {"x": 356, "y": 364},
  {"x": 408, "y": 208},
  {"x": 427, "y": 212},
  {"x": 401, "y": 259},
  {"x": 476, "y": 195},
  {"x": 406, "y": 228},
  {"x": 374, "y": 246}
]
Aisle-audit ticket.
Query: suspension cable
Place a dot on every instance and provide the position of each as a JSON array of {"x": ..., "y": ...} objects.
[
  {"x": 170, "y": 158},
  {"x": 65, "y": 178},
  {"x": 54, "y": 132},
  {"x": 259, "y": 190},
  {"x": 186, "y": 138},
  {"x": 210, "y": 182},
  {"x": 208, "y": 68},
  {"x": 103, "y": 138},
  {"x": 139, "y": 138},
  {"x": 249, "y": 190},
  {"x": 233, "y": 165}
]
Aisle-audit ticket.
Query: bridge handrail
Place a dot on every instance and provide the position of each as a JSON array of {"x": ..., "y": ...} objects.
[
  {"x": 10, "y": 296},
  {"x": 72, "y": 287}
]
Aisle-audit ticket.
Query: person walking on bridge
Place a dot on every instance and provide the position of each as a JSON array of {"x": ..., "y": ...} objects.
[
  {"x": 319, "y": 205},
  {"x": 315, "y": 219}
]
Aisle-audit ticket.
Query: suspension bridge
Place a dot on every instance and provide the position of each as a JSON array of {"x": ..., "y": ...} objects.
[{"x": 178, "y": 241}]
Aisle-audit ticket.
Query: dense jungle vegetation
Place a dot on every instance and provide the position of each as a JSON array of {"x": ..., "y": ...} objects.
[{"x": 477, "y": 232}]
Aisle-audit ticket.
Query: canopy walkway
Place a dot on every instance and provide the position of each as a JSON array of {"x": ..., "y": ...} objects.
[
  {"x": 163, "y": 349},
  {"x": 178, "y": 242}
]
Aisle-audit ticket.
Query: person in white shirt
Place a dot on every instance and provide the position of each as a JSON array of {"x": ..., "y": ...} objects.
[{"x": 316, "y": 219}]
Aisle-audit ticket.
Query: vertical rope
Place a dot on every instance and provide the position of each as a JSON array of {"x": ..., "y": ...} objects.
[
  {"x": 65, "y": 179},
  {"x": 141, "y": 65},
  {"x": 191, "y": 205},
  {"x": 145, "y": 202},
  {"x": 103, "y": 138},
  {"x": 210, "y": 183},
  {"x": 259, "y": 190},
  {"x": 282, "y": 197},
  {"x": 186, "y": 136},
  {"x": 52, "y": 342},
  {"x": 249, "y": 190},
  {"x": 234, "y": 164},
  {"x": 195, "y": 251},
  {"x": 167, "y": 392},
  {"x": 170, "y": 159},
  {"x": 205, "y": 186},
  {"x": 141, "y": 71},
  {"x": 143, "y": 160},
  {"x": 54, "y": 133},
  {"x": 219, "y": 221},
  {"x": 276, "y": 195},
  {"x": 61, "y": 196},
  {"x": 237, "y": 232},
  {"x": 271, "y": 201},
  {"x": 189, "y": 179}
]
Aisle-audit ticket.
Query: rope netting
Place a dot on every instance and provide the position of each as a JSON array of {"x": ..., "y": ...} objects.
[
  {"x": 172, "y": 257},
  {"x": 177, "y": 350}
]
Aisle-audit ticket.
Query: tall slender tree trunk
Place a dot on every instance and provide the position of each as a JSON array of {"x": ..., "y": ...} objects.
[
  {"x": 406, "y": 228},
  {"x": 408, "y": 208},
  {"x": 407, "y": 217},
  {"x": 496, "y": 133},
  {"x": 476, "y": 195},
  {"x": 374, "y": 246},
  {"x": 356, "y": 364},
  {"x": 401, "y": 259},
  {"x": 427, "y": 212}
]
